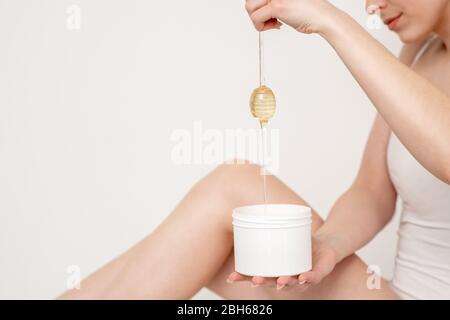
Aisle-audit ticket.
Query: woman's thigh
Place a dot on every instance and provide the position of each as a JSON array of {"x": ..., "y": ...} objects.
[{"x": 347, "y": 281}]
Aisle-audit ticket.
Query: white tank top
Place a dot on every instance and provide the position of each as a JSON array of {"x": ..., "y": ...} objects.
[{"x": 422, "y": 263}]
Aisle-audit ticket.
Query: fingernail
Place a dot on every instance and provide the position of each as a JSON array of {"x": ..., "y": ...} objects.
[
  {"x": 302, "y": 282},
  {"x": 230, "y": 281},
  {"x": 254, "y": 285},
  {"x": 280, "y": 286}
]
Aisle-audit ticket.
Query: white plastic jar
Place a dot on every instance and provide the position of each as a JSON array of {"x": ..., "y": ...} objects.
[{"x": 272, "y": 240}]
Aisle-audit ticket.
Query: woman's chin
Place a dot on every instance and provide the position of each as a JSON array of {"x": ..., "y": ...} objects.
[{"x": 407, "y": 36}]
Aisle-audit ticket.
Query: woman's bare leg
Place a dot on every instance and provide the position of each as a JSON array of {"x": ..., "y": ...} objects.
[{"x": 192, "y": 248}]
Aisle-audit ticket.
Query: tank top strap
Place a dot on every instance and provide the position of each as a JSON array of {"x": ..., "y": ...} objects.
[{"x": 423, "y": 49}]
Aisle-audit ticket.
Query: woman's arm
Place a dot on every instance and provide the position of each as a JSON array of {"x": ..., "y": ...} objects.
[
  {"x": 368, "y": 205},
  {"x": 416, "y": 111},
  {"x": 361, "y": 212}
]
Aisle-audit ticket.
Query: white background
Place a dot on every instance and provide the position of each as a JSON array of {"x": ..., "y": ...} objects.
[{"x": 86, "y": 118}]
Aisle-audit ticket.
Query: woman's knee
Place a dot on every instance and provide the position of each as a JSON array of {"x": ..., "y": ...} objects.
[
  {"x": 231, "y": 182},
  {"x": 240, "y": 183},
  {"x": 229, "y": 171},
  {"x": 238, "y": 169}
]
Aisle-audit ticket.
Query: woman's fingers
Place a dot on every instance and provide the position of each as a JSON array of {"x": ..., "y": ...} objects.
[
  {"x": 253, "y": 5},
  {"x": 261, "y": 281},
  {"x": 235, "y": 277},
  {"x": 272, "y": 24},
  {"x": 256, "y": 281},
  {"x": 286, "y": 281},
  {"x": 262, "y": 16},
  {"x": 310, "y": 277}
]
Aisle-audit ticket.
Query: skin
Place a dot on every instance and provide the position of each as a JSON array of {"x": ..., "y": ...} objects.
[
  {"x": 174, "y": 262},
  {"x": 416, "y": 108}
]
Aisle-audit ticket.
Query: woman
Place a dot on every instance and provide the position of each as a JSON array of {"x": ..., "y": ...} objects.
[{"x": 407, "y": 154}]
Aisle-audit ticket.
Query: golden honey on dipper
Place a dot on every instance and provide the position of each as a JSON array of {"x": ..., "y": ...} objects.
[{"x": 262, "y": 104}]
